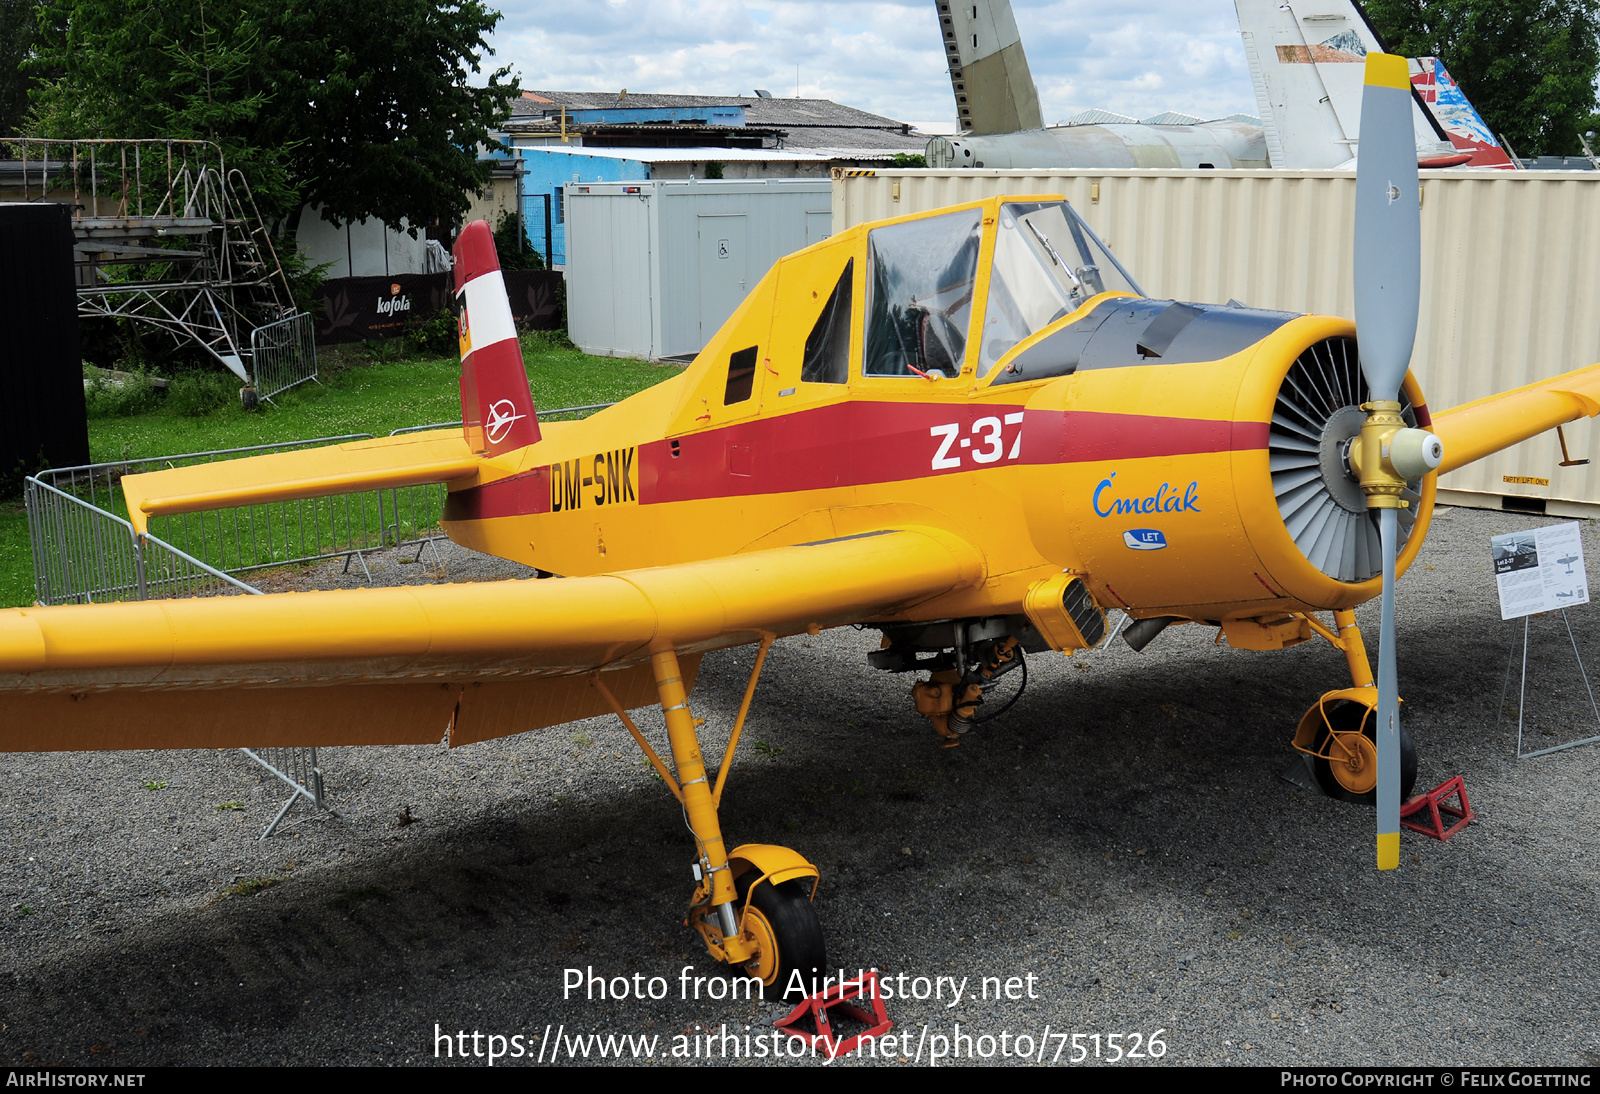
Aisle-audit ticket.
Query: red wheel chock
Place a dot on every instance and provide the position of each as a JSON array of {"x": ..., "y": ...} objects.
[
  {"x": 838, "y": 998},
  {"x": 1434, "y": 803}
]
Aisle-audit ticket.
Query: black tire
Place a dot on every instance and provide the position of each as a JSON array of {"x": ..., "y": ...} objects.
[
  {"x": 1345, "y": 717},
  {"x": 787, "y": 911}
]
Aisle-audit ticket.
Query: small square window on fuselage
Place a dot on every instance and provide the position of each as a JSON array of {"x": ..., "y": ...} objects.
[{"x": 741, "y": 376}]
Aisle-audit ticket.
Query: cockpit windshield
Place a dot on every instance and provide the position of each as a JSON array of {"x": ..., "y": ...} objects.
[{"x": 1047, "y": 262}]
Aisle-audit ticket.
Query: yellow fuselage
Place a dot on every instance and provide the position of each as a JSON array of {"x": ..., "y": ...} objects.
[{"x": 1043, "y": 475}]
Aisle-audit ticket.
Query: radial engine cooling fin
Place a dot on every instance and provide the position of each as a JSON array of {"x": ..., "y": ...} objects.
[{"x": 1317, "y": 414}]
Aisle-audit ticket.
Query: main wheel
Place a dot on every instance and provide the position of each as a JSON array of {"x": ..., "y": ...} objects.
[
  {"x": 1349, "y": 770},
  {"x": 788, "y": 937}
]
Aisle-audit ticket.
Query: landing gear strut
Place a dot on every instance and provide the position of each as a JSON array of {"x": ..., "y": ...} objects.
[{"x": 752, "y": 906}]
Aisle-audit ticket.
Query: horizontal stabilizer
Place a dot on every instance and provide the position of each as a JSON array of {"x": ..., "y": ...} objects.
[{"x": 384, "y": 463}]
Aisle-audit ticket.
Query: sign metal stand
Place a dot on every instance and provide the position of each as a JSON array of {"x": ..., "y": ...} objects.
[
  {"x": 1522, "y": 696},
  {"x": 1531, "y": 579}
]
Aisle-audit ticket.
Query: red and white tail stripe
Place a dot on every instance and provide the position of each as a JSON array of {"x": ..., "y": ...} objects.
[{"x": 496, "y": 404}]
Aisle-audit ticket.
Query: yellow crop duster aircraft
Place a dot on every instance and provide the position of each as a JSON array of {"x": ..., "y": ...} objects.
[{"x": 968, "y": 428}]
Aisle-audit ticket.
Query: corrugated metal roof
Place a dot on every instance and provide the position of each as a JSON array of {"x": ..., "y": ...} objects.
[
  {"x": 1170, "y": 117},
  {"x": 686, "y": 155},
  {"x": 850, "y": 143},
  {"x": 1095, "y": 116},
  {"x": 542, "y": 125},
  {"x": 855, "y": 140},
  {"x": 780, "y": 113}
]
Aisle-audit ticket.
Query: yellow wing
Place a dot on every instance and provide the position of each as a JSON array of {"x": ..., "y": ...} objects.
[
  {"x": 1474, "y": 430},
  {"x": 486, "y": 659}
]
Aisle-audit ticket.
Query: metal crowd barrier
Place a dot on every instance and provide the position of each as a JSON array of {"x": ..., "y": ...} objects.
[
  {"x": 283, "y": 354},
  {"x": 85, "y": 555},
  {"x": 296, "y": 767},
  {"x": 253, "y": 537}
]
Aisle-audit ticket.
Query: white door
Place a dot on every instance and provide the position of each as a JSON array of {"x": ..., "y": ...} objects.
[{"x": 724, "y": 269}]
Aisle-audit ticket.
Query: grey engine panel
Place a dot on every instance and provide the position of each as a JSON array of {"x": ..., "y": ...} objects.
[{"x": 1127, "y": 332}]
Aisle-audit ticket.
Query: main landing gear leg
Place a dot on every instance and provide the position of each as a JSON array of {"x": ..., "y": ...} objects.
[
  {"x": 716, "y": 898},
  {"x": 752, "y": 906},
  {"x": 1339, "y": 732}
]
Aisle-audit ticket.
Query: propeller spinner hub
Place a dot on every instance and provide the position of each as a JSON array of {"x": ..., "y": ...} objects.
[{"x": 1387, "y": 453}]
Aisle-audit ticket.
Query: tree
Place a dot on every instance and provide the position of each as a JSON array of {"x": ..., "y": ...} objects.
[
  {"x": 1529, "y": 66},
  {"x": 20, "y": 20},
  {"x": 359, "y": 106},
  {"x": 511, "y": 244},
  {"x": 374, "y": 102}
]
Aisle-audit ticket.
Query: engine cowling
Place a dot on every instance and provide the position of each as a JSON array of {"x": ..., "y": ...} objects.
[{"x": 1217, "y": 489}]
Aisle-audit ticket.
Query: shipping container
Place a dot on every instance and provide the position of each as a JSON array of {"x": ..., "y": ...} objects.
[
  {"x": 1510, "y": 276},
  {"x": 654, "y": 268}
]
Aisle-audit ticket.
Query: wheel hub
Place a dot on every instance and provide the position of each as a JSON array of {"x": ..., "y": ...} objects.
[
  {"x": 1353, "y": 759},
  {"x": 764, "y": 965}
]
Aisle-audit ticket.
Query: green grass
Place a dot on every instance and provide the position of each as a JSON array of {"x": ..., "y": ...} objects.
[
  {"x": 360, "y": 397},
  {"x": 359, "y": 393},
  {"x": 16, "y": 558},
  {"x": 251, "y": 886}
]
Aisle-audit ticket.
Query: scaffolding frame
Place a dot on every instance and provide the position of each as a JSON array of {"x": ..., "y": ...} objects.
[{"x": 166, "y": 235}]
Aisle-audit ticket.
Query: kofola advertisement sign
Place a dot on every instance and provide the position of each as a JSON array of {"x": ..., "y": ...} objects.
[{"x": 359, "y": 309}]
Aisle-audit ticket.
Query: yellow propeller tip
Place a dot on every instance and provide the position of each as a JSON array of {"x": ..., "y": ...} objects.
[
  {"x": 1388, "y": 845},
  {"x": 1387, "y": 70}
]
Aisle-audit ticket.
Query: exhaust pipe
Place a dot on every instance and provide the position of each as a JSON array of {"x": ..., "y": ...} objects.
[{"x": 1141, "y": 632}]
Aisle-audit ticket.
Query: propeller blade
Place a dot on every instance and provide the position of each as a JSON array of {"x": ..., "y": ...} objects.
[
  {"x": 1388, "y": 243},
  {"x": 1388, "y": 275},
  {"x": 1388, "y": 709}
]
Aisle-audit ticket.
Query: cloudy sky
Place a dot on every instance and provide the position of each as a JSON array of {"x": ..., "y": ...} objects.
[{"x": 1137, "y": 57}]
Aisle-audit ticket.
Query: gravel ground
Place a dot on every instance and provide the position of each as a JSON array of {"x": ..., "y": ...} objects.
[{"x": 1122, "y": 836}]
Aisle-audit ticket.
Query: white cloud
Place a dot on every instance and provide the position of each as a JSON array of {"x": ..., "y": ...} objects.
[{"x": 1136, "y": 57}]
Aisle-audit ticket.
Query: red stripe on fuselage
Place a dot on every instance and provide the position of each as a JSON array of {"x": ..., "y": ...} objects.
[
  {"x": 520, "y": 495},
  {"x": 865, "y": 443},
  {"x": 1087, "y": 436}
]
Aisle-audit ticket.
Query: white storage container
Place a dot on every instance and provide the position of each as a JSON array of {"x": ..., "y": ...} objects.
[{"x": 654, "y": 268}]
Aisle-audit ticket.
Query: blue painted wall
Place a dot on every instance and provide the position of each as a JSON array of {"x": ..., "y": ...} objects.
[
  {"x": 548, "y": 171},
  {"x": 628, "y": 115}
]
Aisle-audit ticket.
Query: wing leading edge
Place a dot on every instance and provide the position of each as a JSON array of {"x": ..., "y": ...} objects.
[{"x": 395, "y": 666}]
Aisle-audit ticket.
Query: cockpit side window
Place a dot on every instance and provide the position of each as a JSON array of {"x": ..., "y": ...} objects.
[
  {"x": 1047, "y": 263},
  {"x": 920, "y": 281},
  {"x": 827, "y": 356}
]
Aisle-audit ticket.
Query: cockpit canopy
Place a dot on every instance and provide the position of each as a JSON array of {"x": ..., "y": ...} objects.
[{"x": 922, "y": 275}]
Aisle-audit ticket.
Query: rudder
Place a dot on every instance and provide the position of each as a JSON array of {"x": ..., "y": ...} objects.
[{"x": 497, "y": 411}]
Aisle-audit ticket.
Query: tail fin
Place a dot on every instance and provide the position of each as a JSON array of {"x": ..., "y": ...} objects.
[
  {"x": 1308, "y": 69},
  {"x": 988, "y": 71},
  {"x": 1465, "y": 127},
  {"x": 496, "y": 402}
]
